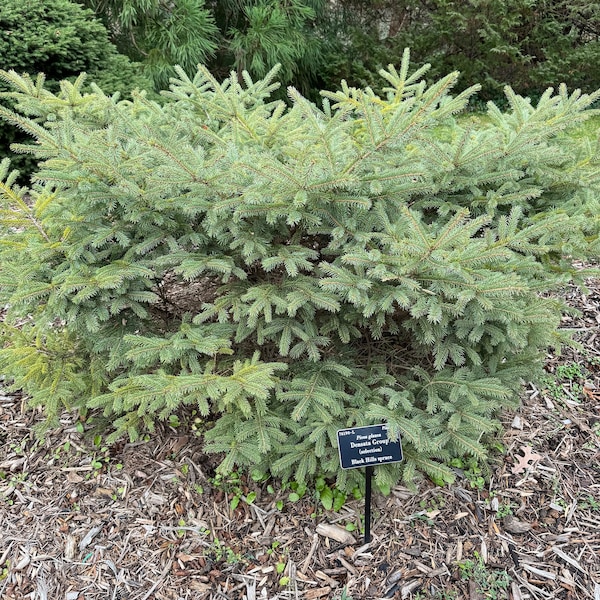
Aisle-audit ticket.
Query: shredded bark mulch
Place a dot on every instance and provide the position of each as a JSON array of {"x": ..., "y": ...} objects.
[{"x": 81, "y": 521}]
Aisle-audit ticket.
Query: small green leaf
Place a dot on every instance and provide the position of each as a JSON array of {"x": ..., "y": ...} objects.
[
  {"x": 326, "y": 498},
  {"x": 257, "y": 475},
  {"x": 385, "y": 489},
  {"x": 339, "y": 500}
]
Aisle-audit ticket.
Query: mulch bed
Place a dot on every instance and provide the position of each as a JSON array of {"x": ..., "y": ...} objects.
[{"x": 142, "y": 521}]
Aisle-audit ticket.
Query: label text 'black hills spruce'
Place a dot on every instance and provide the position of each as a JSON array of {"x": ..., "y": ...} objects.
[{"x": 367, "y": 446}]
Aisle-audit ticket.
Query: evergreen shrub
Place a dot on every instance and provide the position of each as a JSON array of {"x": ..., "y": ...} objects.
[{"x": 289, "y": 270}]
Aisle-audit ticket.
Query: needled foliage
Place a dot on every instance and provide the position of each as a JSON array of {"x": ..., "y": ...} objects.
[
  {"x": 531, "y": 44},
  {"x": 160, "y": 34},
  {"x": 248, "y": 35},
  {"x": 59, "y": 39},
  {"x": 292, "y": 270}
]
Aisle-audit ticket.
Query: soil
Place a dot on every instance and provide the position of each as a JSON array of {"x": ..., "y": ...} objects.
[{"x": 81, "y": 521}]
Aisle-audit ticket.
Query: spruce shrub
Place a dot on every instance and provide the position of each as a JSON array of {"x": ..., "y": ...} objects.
[{"x": 289, "y": 270}]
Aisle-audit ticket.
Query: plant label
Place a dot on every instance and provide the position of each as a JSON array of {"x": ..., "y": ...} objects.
[{"x": 367, "y": 447}]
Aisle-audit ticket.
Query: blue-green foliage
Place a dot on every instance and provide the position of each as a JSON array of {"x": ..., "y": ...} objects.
[{"x": 289, "y": 271}]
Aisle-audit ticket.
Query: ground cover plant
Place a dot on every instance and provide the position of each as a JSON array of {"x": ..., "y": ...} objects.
[{"x": 290, "y": 270}]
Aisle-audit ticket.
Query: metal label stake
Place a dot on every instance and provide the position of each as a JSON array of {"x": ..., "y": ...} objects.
[
  {"x": 367, "y": 447},
  {"x": 368, "y": 478}
]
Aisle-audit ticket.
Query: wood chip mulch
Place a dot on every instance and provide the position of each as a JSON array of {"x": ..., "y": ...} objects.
[{"x": 148, "y": 521}]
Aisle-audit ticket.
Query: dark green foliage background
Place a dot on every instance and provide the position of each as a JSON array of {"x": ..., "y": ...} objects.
[
  {"x": 222, "y": 34},
  {"x": 528, "y": 44}
]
